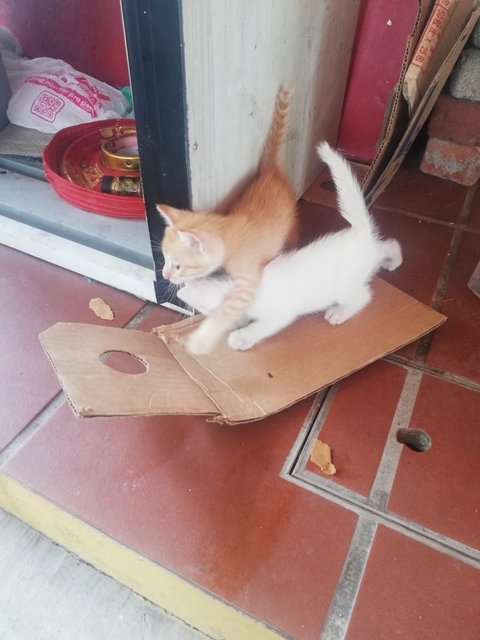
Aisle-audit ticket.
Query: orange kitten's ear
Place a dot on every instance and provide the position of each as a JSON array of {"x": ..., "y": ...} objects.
[
  {"x": 168, "y": 213},
  {"x": 193, "y": 240},
  {"x": 202, "y": 242}
]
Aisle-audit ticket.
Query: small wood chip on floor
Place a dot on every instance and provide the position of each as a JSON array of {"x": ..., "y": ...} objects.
[
  {"x": 322, "y": 456},
  {"x": 101, "y": 309}
]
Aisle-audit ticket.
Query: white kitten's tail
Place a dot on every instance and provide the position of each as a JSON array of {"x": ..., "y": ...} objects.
[{"x": 351, "y": 202}]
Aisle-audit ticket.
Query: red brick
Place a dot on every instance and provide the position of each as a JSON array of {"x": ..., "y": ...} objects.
[
  {"x": 456, "y": 120},
  {"x": 451, "y": 161}
]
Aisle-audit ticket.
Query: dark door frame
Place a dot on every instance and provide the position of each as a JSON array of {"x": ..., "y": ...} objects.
[{"x": 154, "y": 41}]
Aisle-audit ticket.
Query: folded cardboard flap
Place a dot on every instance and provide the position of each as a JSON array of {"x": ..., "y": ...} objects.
[
  {"x": 423, "y": 110},
  {"x": 95, "y": 389},
  {"x": 445, "y": 23},
  {"x": 229, "y": 386},
  {"x": 400, "y": 130},
  {"x": 396, "y": 115}
]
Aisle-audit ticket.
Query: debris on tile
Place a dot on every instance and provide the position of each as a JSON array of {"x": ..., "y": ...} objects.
[
  {"x": 414, "y": 439},
  {"x": 101, "y": 309},
  {"x": 322, "y": 456}
]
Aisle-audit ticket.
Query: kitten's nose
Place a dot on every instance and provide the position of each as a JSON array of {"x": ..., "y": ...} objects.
[{"x": 166, "y": 273}]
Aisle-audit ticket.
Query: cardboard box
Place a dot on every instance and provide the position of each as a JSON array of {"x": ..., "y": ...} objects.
[
  {"x": 446, "y": 22},
  {"x": 229, "y": 386},
  {"x": 400, "y": 130}
]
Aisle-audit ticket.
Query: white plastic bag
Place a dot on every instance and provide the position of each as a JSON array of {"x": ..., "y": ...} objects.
[{"x": 49, "y": 94}]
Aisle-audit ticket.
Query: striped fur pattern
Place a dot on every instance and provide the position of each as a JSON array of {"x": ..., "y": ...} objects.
[{"x": 255, "y": 230}]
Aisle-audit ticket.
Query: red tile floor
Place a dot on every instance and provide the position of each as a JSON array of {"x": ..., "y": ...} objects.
[{"x": 234, "y": 529}]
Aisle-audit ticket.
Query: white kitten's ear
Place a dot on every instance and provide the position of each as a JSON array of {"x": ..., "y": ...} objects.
[
  {"x": 193, "y": 240},
  {"x": 168, "y": 213}
]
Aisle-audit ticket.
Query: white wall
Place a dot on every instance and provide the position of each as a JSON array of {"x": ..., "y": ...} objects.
[{"x": 237, "y": 53}]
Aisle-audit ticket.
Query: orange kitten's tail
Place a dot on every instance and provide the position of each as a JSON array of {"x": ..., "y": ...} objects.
[{"x": 276, "y": 136}]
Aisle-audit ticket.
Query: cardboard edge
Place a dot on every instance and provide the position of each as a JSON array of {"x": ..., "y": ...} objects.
[
  {"x": 166, "y": 329},
  {"x": 57, "y": 373},
  {"x": 167, "y": 333},
  {"x": 221, "y": 418},
  {"x": 442, "y": 319}
]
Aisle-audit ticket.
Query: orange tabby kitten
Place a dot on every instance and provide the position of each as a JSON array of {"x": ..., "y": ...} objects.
[{"x": 243, "y": 241}]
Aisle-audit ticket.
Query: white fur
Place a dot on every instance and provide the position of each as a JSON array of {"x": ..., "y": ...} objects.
[{"x": 331, "y": 274}]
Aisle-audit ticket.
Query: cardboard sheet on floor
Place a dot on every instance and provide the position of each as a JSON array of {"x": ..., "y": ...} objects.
[{"x": 228, "y": 386}]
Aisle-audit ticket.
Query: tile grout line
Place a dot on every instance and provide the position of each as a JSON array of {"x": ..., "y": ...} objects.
[
  {"x": 327, "y": 400},
  {"x": 423, "y": 218},
  {"x": 27, "y": 432},
  {"x": 453, "y": 249},
  {"x": 416, "y": 216},
  {"x": 141, "y": 315},
  {"x": 295, "y": 472},
  {"x": 409, "y": 528},
  {"x": 383, "y": 482},
  {"x": 408, "y": 214},
  {"x": 292, "y": 460},
  {"x": 443, "y": 281},
  {"x": 341, "y": 608},
  {"x": 58, "y": 400},
  {"x": 453, "y": 378}
]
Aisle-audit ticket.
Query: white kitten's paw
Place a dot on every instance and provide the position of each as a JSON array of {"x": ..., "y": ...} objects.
[
  {"x": 337, "y": 314},
  {"x": 239, "y": 340},
  {"x": 198, "y": 344}
]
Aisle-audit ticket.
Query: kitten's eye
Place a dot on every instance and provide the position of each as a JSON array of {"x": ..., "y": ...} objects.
[{"x": 177, "y": 267}]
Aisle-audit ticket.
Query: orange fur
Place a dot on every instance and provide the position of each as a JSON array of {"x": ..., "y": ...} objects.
[{"x": 243, "y": 241}]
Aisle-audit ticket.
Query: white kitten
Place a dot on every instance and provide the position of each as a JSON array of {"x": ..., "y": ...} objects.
[{"x": 331, "y": 274}]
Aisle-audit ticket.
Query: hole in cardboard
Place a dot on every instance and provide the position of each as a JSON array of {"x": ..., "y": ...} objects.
[{"x": 123, "y": 362}]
